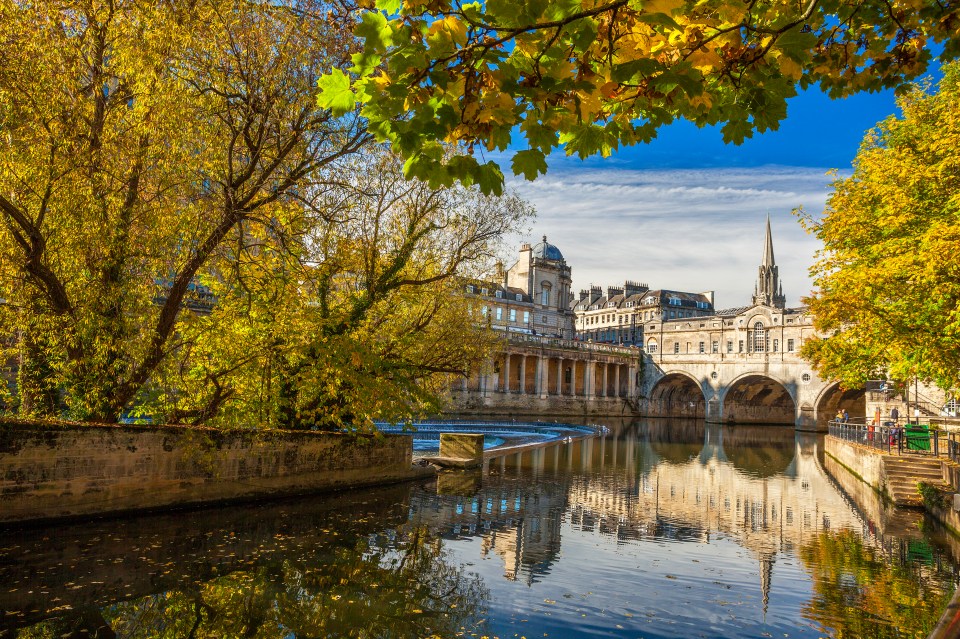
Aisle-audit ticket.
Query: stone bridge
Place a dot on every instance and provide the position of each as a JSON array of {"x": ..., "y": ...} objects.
[{"x": 744, "y": 368}]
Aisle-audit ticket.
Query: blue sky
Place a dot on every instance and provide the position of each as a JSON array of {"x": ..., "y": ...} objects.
[{"x": 687, "y": 211}]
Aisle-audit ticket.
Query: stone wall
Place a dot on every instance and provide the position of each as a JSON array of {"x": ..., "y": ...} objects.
[
  {"x": 465, "y": 404},
  {"x": 865, "y": 464},
  {"x": 50, "y": 471}
]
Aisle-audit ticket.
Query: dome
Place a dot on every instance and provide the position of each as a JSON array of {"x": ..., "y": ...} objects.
[{"x": 547, "y": 251}]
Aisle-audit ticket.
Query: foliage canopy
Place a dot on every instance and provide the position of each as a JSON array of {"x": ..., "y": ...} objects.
[
  {"x": 155, "y": 154},
  {"x": 888, "y": 276},
  {"x": 592, "y": 75}
]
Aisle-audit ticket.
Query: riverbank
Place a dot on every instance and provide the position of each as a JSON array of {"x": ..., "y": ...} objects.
[{"x": 56, "y": 470}]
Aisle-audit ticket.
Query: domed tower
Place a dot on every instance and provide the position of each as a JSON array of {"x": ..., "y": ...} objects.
[
  {"x": 769, "y": 290},
  {"x": 543, "y": 274}
]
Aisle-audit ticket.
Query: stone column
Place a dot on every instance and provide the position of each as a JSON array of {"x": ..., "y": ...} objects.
[
  {"x": 523, "y": 374},
  {"x": 543, "y": 377},
  {"x": 616, "y": 380},
  {"x": 506, "y": 374},
  {"x": 632, "y": 382},
  {"x": 588, "y": 375},
  {"x": 603, "y": 391},
  {"x": 560, "y": 376}
]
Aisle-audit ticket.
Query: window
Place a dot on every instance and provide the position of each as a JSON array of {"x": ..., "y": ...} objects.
[
  {"x": 499, "y": 293},
  {"x": 470, "y": 288},
  {"x": 701, "y": 347},
  {"x": 729, "y": 345},
  {"x": 676, "y": 348},
  {"x": 483, "y": 311},
  {"x": 741, "y": 346},
  {"x": 526, "y": 317},
  {"x": 518, "y": 297},
  {"x": 545, "y": 294},
  {"x": 485, "y": 291},
  {"x": 776, "y": 345},
  {"x": 688, "y": 347},
  {"x": 513, "y": 315},
  {"x": 673, "y": 314},
  {"x": 716, "y": 347},
  {"x": 759, "y": 338},
  {"x": 789, "y": 345},
  {"x": 652, "y": 346},
  {"x": 499, "y": 313}
]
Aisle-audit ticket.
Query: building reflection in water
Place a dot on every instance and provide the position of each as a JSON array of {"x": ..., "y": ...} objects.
[{"x": 763, "y": 486}]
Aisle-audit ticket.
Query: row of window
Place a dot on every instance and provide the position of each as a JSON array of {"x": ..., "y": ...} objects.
[
  {"x": 497, "y": 312},
  {"x": 759, "y": 346}
]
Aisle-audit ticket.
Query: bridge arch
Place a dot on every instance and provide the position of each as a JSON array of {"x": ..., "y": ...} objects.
[
  {"x": 755, "y": 398},
  {"x": 677, "y": 394},
  {"x": 833, "y": 399}
]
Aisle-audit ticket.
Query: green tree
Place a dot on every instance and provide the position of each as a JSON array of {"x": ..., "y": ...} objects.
[
  {"x": 593, "y": 75},
  {"x": 888, "y": 276}
]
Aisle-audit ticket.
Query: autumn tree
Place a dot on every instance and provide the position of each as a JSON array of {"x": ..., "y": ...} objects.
[
  {"x": 594, "y": 75},
  {"x": 150, "y": 150},
  {"x": 888, "y": 276},
  {"x": 360, "y": 314}
]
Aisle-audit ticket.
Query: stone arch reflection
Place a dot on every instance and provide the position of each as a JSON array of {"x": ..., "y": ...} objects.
[
  {"x": 677, "y": 395},
  {"x": 758, "y": 399}
]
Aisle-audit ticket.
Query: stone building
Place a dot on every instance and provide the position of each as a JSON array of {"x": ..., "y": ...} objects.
[
  {"x": 619, "y": 316},
  {"x": 542, "y": 274}
]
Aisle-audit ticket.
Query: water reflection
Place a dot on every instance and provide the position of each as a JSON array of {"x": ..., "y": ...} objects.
[{"x": 666, "y": 529}]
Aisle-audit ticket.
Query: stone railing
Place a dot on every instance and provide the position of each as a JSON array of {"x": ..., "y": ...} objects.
[{"x": 572, "y": 344}]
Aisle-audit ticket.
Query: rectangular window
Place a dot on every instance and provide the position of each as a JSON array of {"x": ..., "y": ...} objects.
[
  {"x": 526, "y": 317},
  {"x": 729, "y": 345},
  {"x": 483, "y": 311},
  {"x": 688, "y": 347},
  {"x": 676, "y": 347},
  {"x": 776, "y": 345},
  {"x": 741, "y": 346},
  {"x": 499, "y": 313},
  {"x": 701, "y": 347},
  {"x": 716, "y": 347},
  {"x": 513, "y": 315},
  {"x": 790, "y": 345}
]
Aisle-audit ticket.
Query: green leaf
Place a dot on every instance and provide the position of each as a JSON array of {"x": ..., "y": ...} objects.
[
  {"x": 736, "y": 131},
  {"x": 529, "y": 162},
  {"x": 390, "y": 7},
  {"x": 364, "y": 63},
  {"x": 335, "y": 93},
  {"x": 375, "y": 31}
]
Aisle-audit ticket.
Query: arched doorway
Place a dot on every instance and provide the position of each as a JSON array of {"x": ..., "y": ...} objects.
[
  {"x": 834, "y": 399},
  {"x": 757, "y": 399},
  {"x": 677, "y": 395}
]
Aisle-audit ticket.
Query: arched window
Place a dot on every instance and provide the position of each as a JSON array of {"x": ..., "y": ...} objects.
[
  {"x": 651, "y": 345},
  {"x": 759, "y": 338},
  {"x": 545, "y": 294}
]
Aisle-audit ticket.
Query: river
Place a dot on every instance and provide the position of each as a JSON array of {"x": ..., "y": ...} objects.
[{"x": 666, "y": 528}]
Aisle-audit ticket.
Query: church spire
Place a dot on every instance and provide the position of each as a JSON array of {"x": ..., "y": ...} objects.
[
  {"x": 768, "y": 247},
  {"x": 769, "y": 291}
]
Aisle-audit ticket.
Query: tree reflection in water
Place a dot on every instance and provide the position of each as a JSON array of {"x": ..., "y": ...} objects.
[
  {"x": 405, "y": 588},
  {"x": 862, "y": 590}
]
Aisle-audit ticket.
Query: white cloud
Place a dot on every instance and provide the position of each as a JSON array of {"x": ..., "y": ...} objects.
[{"x": 684, "y": 229}]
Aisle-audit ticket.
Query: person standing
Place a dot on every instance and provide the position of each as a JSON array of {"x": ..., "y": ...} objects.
[
  {"x": 895, "y": 416},
  {"x": 846, "y": 416}
]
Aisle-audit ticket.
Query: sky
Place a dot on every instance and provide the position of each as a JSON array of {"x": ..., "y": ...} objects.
[{"x": 688, "y": 212}]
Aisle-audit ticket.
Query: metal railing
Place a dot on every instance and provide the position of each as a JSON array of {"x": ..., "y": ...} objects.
[{"x": 906, "y": 439}]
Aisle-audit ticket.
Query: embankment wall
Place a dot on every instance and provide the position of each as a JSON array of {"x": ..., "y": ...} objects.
[{"x": 51, "y": 471}]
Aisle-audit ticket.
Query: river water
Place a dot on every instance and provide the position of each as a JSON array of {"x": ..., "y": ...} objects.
[{"x": 659, "y": 529}]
